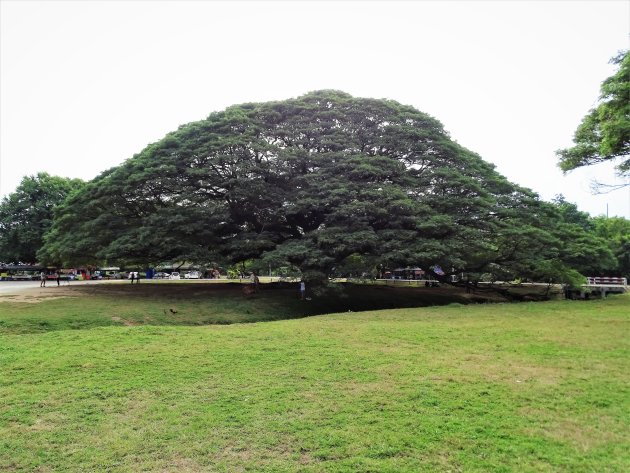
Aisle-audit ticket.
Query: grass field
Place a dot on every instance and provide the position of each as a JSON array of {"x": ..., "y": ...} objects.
[
  {"x": 497, "y": 387},
  {"x": 198, "y": 303}
]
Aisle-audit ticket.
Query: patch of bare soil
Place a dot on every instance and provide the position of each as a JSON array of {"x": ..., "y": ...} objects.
[
  {"x": 38, "y": 294},
  {"x": 126, "y": 323}
]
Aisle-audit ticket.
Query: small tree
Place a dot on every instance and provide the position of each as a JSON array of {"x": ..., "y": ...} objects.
[{"x": 27, "y": 214}]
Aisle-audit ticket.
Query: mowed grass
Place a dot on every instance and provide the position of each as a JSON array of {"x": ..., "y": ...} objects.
[
  {"x": 187, "y": 303},
  {"x": 498, "y": 387}
]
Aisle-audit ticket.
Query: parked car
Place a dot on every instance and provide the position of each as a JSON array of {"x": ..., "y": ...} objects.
[
  {"x": 192, "y": 275},
  {"x": 161, "y": 275},
  {"x": 174, "y": 275},
  {"x": 23, "y": 277}
]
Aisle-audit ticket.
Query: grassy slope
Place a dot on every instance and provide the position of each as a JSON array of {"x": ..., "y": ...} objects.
[
  {"x": 200, "y": 304},
  {"x": 526, "y": 387}
]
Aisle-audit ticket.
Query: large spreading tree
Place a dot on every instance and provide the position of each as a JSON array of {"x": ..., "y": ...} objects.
[
  {"x": 312, "y": 182},
  {"x": 604, "y": 134},
  {"x": 27, "y": 214}
]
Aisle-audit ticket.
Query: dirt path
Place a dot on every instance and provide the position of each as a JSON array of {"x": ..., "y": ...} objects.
[
  {"x": 29, "y": 291},
  {"x": 35, "y": 294}
]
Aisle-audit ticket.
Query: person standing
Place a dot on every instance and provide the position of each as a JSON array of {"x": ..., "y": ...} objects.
[
  {"x": 58, "y": 278},
  {"x": 302, "y": 290},
  {"x": 253, "y": 279},
  {"x": 132, "y": 276},
  {"x": 42, "y": 277}
]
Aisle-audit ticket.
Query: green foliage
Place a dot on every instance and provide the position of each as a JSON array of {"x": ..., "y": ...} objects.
[
  {"x": 581, "y": 250},
  {"x": 570, "y": 214},
  {"x": 616, "y": 232},
  {"x": 355, "y": 265},
  {"x": 604, "y": 134},
  {"x": 27, "y": 214},
  {"x": 308, "y": 183},
  {"x": 597, "y": 246}
]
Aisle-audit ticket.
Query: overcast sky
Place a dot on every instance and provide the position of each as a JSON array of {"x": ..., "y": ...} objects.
[{"x": 85, "y": 85}]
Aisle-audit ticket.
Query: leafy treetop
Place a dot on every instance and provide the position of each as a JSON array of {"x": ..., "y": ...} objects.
[
  {"x": 311, "y": 182},
  {"x": 27, "y": 214},
  {"x": 604, "y": 134}
]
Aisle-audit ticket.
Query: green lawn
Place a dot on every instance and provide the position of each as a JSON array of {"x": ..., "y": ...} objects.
[
  {"x": 498, "y": 387},
  {"x": 194, "y": 303}
]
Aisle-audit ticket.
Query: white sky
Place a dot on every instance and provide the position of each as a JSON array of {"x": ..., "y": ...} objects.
[{"x": 85, "y": 85}]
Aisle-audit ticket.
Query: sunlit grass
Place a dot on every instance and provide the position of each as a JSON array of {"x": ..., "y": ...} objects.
[{"x": 501, "y": 387}]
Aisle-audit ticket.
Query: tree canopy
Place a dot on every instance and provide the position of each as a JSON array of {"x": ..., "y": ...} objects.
[
  {"x": 27, "y": 214},
  {"x": 583, "y": 249},
  {"x": 604, "y": 134},
  {"x": 616, "y": 232},
  {"x": 311, "y": 182}
]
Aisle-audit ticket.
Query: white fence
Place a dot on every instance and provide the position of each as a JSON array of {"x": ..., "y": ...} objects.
[{"x": 606, "y": 281}]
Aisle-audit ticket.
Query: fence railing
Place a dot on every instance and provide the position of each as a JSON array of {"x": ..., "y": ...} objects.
[{"x": 607, "y": 281}]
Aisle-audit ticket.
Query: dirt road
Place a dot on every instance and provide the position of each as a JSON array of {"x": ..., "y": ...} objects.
[{"x": 29, "y": 291}]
